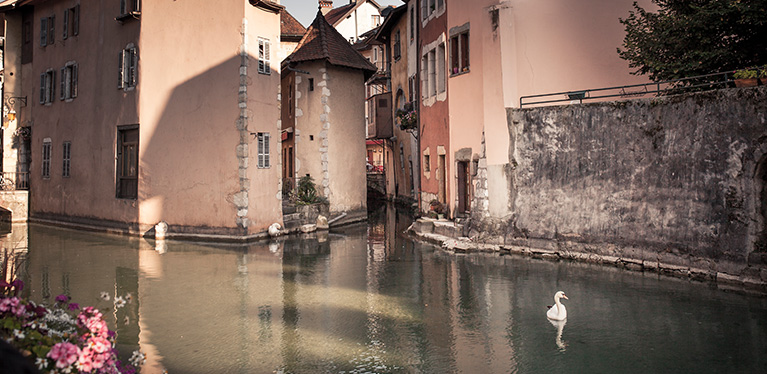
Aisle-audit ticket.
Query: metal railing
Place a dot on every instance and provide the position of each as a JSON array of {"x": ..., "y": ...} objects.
[
  {"x": 12, "y": 181},
  {"x": 696, "y": 83}
]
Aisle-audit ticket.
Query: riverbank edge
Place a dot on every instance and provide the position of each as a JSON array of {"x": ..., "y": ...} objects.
[
  {"x": 189, "y": 234},
  {"x": 450, "y": 239}
]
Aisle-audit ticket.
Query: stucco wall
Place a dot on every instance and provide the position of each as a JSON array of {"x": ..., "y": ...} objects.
[
  {"x": 670, "y": 179},
  {"x": 89, "y": 121},
  {"x": 360, "y": 22},
  {"x": 346, "y": 178},
  {"x": 330, "y": 137}
]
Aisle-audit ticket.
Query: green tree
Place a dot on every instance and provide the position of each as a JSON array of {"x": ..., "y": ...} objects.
[{"x": 693, "y": 37}]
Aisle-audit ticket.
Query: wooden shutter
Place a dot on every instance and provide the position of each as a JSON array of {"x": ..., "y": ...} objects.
[
  {"x": 43, "y": 32},
  {"x": 52, "y": 92},
  {"x": 62, "y": 94},
  {"x": 121, "y": 70},
  {"x": 51, "y": 29},
  {"x": 66, "y": 24},
  {"x": 42, "y": 88},
  {"x": 76, "y": 21},
  {"x": 133, "y": 67},
  {"x": 74, "y": 81},
  {"x": 267, "y": 65}
]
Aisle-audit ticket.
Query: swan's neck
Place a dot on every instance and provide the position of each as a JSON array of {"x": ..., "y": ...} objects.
[{"x": 557, "y": 302}]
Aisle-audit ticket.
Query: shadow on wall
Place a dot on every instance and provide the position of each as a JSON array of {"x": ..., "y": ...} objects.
[{"x": 190, "y": 170}]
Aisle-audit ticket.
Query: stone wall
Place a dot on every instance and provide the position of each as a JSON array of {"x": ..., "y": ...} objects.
[
  {"x": 678, "y": 179},
  {"x": 17, "y": 203}
]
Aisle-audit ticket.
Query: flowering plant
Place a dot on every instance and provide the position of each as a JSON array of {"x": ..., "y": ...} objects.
[
  {"x": 64, "y": 338},
  {"x": 408, "y": 118}
]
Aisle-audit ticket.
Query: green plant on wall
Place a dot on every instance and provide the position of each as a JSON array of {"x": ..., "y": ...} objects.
[
  {"x": 306, "y": 192},
  {"x": 750, "y": 73}
]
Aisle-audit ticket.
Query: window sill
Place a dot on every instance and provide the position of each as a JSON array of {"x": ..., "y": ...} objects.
[
  {"x": 127, "y": 16},
  {"x": 460, "y": 73}
]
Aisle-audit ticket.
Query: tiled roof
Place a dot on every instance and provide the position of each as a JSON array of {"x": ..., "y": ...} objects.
[
  {"x": 289, "y": 26},
  {"x": 338, "y": 13},
  {"x": 323, "y": 42}
]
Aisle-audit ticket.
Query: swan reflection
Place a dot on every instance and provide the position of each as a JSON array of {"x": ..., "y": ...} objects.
[{"x": 560, "y": 325}]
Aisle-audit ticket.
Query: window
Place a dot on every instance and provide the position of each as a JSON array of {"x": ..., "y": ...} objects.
[
  {"x": 46, "y": 164},
  {"x": 397, "y": 46},
  {"x": 47, "y": 81},
  {"x": 68, "y": 81},
  {"x": 412, "y": 24},
  {"x": 441, "y": 68},
  {"x": 71, "y": 21},
  {"x": 376, "y": 20},
  {"x": 67, "y": 147},
  {"x": 432, "y": 8},
  {"x": 127, "y": 162},
  {"x": 426, "y": 165},
  {"x": 128, "y": 67},
  {"x": 264, "y": 56},
  {"x": 311, "y": 84},
  {"x": 432, "y": 72},
  {"x": 27, "y": 46},
  {"x": 424, "y": 76},
  {"x": 263, "y": 150},
  {"x": 459, "y": 53},
  {"x": 47, "y": 29},
  {"x": 130, "y": 7}
]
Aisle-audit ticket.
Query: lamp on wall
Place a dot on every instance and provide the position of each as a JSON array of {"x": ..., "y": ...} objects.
[{"x": 10, "y": 103}]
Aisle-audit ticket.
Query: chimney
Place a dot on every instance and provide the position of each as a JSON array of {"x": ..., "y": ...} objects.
[{"x": 326, "y": 6}]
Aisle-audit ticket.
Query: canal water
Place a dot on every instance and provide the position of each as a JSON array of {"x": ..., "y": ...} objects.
[{"x": 367, "y": 299}]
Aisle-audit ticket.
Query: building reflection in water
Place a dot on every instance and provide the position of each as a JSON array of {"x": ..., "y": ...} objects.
[{"x": 361, "y": 299}]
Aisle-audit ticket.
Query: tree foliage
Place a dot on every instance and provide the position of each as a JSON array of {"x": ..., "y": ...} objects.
[{"x": 693, "y": 37}]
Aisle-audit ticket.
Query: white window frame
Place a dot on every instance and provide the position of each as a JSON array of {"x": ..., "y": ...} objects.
[
  {"x": 433, "y": 72},
  {"x": 264, "y": 56},
  {"x": 45, "y": 165},
  {"x": 68, "y": 81},
  {"x": 263, "y": 150},
  {"x": 128, "y": 74}
]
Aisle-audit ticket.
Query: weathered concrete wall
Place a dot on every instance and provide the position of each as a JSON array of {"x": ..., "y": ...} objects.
[
  {"x": 672, "y": 180},
  {"x": 17, "y": 203}
]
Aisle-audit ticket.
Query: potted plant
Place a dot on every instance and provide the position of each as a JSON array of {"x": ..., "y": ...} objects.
[
  {"x": 750, "y": 77},
  {"x": 408, "y": 118}
]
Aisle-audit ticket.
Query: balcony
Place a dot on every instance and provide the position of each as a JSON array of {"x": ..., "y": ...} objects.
[{"x": 380, "y": 124}]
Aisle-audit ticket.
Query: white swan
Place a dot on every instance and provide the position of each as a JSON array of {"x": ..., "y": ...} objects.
[{"x": 557, "y": 312}]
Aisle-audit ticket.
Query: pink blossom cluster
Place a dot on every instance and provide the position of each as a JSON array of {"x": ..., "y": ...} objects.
[
  {"x": 65, "y": 354},
  {"x": 87, "y": 348},
  {"x": 13, "y": 305}
]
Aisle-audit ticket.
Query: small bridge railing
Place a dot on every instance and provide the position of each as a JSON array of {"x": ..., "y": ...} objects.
[{"x": 696, "y": 83}]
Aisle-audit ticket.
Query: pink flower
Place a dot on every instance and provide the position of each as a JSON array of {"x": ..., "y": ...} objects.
[
  {"x": 99, "y": 344},
  {"x": 8, "y": 303},
  {"x": 97, "y": 326},
  {"x": 65, "y": 354},
  {"x": 84, "y": 364}
]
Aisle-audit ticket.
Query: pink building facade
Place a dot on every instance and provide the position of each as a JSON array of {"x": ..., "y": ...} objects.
[
  {"x": 148, "y": 112},
  {"x": 495, "y": 53}
]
